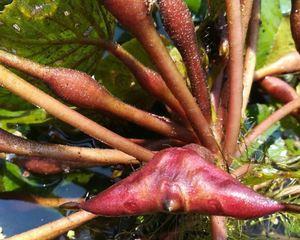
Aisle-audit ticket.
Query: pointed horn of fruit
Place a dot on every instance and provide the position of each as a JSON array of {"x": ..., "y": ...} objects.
[
  {"x": 178, "y": 23},
  {"x": 181, "y": 180}
]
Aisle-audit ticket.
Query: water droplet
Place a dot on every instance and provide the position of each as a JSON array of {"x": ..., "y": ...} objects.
[
  {"x": 88, "y": 31},
  {"x": 39, "y": 11},
  {"x": 16, "y": 27},
  {"x": 26, "y": 174},
  {"x": 67, "y": 169},
  {"x": 67, "y": 13}
]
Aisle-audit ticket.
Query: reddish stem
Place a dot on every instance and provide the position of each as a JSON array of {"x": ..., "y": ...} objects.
[
  {"x": 246, "y": 9},
  {"x": 137, "y": 12},
  {"x": 295, "y": 22},
  {"x": 279, "y": 90},
  {"x": 13, "y": 144},
  {"x": 42, "y": 201},
  {"x": 56, "y": 228},
  {"x": 35, "y": 96},
  {"x": 69, "y": 85},
  {"x": 266, "y": 124},
  {"x": 289, "y": 63},
  {"x": 178, "y": 23},
  {"x": 250, "y": 58},
  {"x": 218, "y": 228},
  {"x": 150, "y": 80},
  {"x": 235, "y": 75}
]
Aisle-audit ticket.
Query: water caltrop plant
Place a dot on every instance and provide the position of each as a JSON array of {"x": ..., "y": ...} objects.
[{"x": 208, "y": 97}]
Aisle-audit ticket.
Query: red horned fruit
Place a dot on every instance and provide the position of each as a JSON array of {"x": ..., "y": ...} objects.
[{"x": 181, "y": 180}]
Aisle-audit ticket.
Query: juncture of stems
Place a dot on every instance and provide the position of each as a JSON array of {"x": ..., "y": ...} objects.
[
  {"x": 13, "y": 144},
  {"x": 177, "y": 85},
  {"x": 150, "y": 80},
  {"x": 246, "y": 9},
  {"x": 56, "y": 228},
  {"x": 35, "y": 96},
  {"x": 150, "y": 39},
  {"x": 51, "y": 202},
  {"x": 289, "y": 63},
  {"x": 235, "y": 75},
  {"x": 267, "y": 123},
  {"x": 66, "y": 81},
  {"x": 250, "y": 57}
]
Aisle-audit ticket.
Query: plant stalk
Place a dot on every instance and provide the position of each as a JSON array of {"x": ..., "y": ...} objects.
[
  {"x": 218, "y": 228},
  {"x": 267, "y": 123},
  {"x": 56, "y": 228},
  {"x": 67, "y": 84},
  {"x": 52, "y": 202},
  {"x": 178, "y": 23},
  {"x": 150, "y": 39},
  {"x": 235, "y": 75},
  {"x": 250, "y": 57},
  {"x": 289, "y": 63},
  {"x": 20, "y": 146},
  {"x": 35, "y": 96},
  {"x": 246, "y": 9}
]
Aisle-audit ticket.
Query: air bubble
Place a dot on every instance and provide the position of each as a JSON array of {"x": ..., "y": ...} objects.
[
  {"x": 16, "y": 27},
  {"x": 67, "y": 13},
  {"x": 88, "y": 31}
]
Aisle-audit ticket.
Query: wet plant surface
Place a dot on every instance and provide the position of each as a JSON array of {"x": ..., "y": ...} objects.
[{"x": 79, "y": 35}]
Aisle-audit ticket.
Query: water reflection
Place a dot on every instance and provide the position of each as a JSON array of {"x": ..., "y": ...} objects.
[{"x": 19, "y": 216}]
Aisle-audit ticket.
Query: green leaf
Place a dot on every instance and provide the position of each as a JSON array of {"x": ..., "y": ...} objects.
[
  {"x": 12, "y": 102},
  {"x": 194, "y": 5},
  {"x": 39, "y": 30},
  {"x": 49, "y": 32},
  {"x": 11, "y": 118},
  {"x": 3, "y": 3},
  {"x": 275, "y": 38}
]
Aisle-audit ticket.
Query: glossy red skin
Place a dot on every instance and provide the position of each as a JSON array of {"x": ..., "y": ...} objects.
[
  {"x": 181, "y": 180},
  {"x": 179, "y": 25}
]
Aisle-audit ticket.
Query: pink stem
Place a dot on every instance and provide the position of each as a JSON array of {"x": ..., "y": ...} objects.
[
  {"x": 266, "y": 124},
  {"x": 235, "y": 75},
  {"x": 35, "y": 96}
]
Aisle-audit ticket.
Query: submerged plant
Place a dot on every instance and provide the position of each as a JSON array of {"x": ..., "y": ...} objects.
[{"x": 205, "y": 112}]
